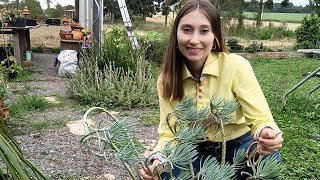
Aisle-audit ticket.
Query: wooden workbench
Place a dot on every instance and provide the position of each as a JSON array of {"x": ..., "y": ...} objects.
[{"x": 21, "y": 41}]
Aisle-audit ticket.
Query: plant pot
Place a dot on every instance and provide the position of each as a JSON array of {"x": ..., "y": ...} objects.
[
  {"x": 55, "y": 22},
  {"x": 20, "y": 22},
  {"x": 77, "y": 34},
  {"x": 31, "y": 22}
]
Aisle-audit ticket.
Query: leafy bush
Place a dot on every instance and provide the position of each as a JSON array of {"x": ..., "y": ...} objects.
[
  {"x": 114, "y": 75},
  {"x": 274, "y": 32},
  {"x": 155, "y": 45},
  {"x": 262, "y": 33},
  {"x": 308, "y": 34},
  {"x": 233, "y": 45},
  {"x": 117, "y": 49},
  {"x": 37, "y": 49}
]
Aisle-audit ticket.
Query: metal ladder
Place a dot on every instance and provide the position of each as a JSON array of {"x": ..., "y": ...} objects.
[{"x": 127, "y": 23}]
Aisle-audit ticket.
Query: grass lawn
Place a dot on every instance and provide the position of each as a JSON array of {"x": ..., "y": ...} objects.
[
  {"x": 300, "y": 121},
  {"x": 281, "y": 17}
]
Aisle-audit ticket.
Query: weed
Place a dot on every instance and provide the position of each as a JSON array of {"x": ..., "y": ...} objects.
[
  {"x": 150, "y": 118},
  {"x": 25, "y": 104},
  {"x": 49, "y": 123}
]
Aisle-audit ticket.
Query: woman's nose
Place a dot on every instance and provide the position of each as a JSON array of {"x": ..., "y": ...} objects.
[{"x": 194, "y": 39}]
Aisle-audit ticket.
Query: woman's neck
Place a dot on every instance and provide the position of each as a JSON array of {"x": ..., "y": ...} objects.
[{"x": 195, "y": 69}]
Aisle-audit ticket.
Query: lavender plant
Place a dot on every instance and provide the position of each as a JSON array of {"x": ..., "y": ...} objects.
[{"x": 181, "y": 151}]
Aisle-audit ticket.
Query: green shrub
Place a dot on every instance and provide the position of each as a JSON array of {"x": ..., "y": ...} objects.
[
  {"x": 274, "y": 32},
  {"x": 114, "y": 75},
  {"x": 308, "y": 34},
  {"x": 37, "y": 49},
  {"x": 233, "y": 45},
  {"x": 117, "y": 49},
  {"x": 262, "y": 33},
  {"x": 155, "y": 44}
]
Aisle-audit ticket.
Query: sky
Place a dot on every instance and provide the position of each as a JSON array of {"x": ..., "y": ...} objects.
[
  {"x": 54, "y": 2},
  {"x": 71, "y": 2},
  {"x": 296, "y": 2}
]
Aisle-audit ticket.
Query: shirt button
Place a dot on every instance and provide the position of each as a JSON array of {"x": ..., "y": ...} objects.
[
  {"x": 200, "y": 97},
  {"x": 200, "y": 90},
  {"x": 206, "y": 137}
]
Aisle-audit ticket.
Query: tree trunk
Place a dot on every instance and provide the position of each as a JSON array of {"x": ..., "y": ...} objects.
[
  {"x": 166, "y": 20},
  {"x": 144, "y": 17},
  {"x": 17, "y": 3},
  {"x": 259, "y": 16}
]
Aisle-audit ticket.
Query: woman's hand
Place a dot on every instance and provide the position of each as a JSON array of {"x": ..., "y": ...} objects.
[
  {"x": 147, "y": 175},
  {"x": 269, "y": 141}
]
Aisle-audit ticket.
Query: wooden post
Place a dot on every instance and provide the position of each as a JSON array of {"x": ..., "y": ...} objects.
[
  {"x": 76, "y": 3},
  {"x": 19, "y": 42}
]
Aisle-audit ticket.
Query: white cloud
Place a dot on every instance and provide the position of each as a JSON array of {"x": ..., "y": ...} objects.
[{"x": 55, "y": 2}]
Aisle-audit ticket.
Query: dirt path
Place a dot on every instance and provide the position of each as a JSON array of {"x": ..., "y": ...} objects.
[{"x": 57, "y": 152}]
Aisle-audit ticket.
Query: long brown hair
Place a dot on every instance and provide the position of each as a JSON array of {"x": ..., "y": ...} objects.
[{"x": 173, "y": 60}]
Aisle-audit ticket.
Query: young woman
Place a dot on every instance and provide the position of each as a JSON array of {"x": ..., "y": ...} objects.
[{"x": 197, "y": 64}]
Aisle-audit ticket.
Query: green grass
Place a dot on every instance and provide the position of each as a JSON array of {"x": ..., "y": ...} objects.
[
  {"x": 280, "y": 17},
  {"x": 27, "y": 125},
  {"x": 26, "y": 104},
  {"x": 299, "y": 120},
  {"x": 49, "y": 123},
  {"x": 150, "y": 118},
  {"x": 25, "y": 75}
]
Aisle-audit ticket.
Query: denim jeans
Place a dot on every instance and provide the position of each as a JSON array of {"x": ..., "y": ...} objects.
[{"x": 214, "y": 149}]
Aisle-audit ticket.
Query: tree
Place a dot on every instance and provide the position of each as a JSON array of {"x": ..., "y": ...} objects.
[
  {"x": 68, "y": 7},
  {"x": 111, "y": 8},
  {"x": 231, "y": 9},
  {"x": 266, "y": 4},
  {"x": 34, "y": 8},
  {"x": 56, "y": 12},
  {"x": 48, "y": 3},
  {"x": 144, "y": 8},
  {"x": 315, "y": 5},
  {"x": 165, "y": 11}
]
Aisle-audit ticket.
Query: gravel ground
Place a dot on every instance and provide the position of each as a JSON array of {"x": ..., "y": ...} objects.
[{"x": 57, "y": 152}]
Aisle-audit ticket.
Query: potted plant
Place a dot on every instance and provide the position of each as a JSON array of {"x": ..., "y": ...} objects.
[
  {"x": 4, "y": 110},
  {"x": 9, "y": 68},
  {"x": 4, "y": 17},
  {"x": 13, "y": 70}
]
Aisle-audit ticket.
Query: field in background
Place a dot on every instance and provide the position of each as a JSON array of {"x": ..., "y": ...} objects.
[
  {"x": 48, "y": 36},
  {"x": 279, "y": 17}
]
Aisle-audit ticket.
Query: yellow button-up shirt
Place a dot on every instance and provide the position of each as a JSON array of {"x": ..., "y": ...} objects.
[{"x": 225, "y": 76}]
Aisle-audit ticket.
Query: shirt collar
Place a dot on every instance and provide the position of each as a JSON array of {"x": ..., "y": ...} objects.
[{"x": 210, "y": 67}]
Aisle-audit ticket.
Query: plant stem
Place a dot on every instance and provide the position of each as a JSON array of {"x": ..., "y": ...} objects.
[
  {"x": 192, "y": 171},
  {"x": 223, "y": 153}
]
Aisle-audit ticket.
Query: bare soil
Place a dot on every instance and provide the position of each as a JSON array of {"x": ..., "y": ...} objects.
[{"x": 56, "y": 151}]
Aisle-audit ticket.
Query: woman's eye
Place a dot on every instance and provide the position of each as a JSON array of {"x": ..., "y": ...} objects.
[
  {"x": 186, "y": 29},
  {"x": 205, "y": 30}
]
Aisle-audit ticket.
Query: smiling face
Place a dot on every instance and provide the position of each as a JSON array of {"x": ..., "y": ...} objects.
[{"x": 195, "y": 37}]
